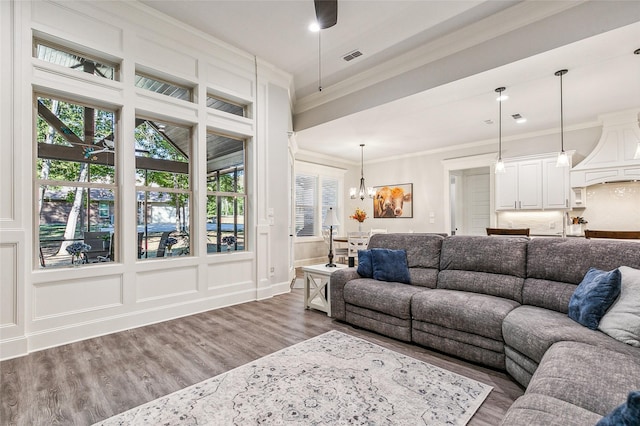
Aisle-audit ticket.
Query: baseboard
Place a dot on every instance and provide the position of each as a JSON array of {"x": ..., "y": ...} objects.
[
  {"x": 77, "y": 332},
  {"x": 13, "y": 348}
]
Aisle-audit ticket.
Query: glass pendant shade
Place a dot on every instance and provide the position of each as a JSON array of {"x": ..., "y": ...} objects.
[
  {"x": 500, "y": 166},
  {"x": 563, "y": 159}
]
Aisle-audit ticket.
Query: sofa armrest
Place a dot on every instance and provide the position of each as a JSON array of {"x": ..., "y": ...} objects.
[{"x": 336, "y": 287}]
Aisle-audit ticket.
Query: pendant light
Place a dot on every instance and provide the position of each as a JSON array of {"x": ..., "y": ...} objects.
[
  {"x": 636, "y": 156},
  {"x": 563, "y": 158},
  {"x": 363, "y": 191},
  {"x": 500, "y": 163}
]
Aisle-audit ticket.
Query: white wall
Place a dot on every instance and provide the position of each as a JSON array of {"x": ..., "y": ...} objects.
[
  {"x": 426, "y": 172},
  {"x": 43, "y": 308}
]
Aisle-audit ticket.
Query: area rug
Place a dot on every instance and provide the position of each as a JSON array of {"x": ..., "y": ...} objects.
[{"x": 332, "y": 379}]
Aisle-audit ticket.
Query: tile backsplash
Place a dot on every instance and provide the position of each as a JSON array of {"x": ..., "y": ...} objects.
[
  {"x": 613, "y": 206},
  {"x": 539, "y": 222}
]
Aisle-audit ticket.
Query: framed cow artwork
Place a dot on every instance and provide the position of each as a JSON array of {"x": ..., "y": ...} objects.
[{"x": 393, "y": 201}]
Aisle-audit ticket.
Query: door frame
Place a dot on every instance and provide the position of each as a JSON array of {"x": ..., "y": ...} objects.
[{"x": 462, "y": 163}]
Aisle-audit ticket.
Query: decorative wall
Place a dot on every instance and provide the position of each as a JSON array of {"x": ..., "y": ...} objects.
[{"x": 44, "y": 307}]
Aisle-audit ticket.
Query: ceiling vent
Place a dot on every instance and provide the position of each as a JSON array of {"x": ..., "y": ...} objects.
[{"x": 352, "y": 55}]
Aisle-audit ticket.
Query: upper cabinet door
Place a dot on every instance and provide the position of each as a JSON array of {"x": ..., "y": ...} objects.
[
  {"x": 555, "y": 185},
  {"x": 530, "y": 184},
  {"x": 507, "y": 188}
]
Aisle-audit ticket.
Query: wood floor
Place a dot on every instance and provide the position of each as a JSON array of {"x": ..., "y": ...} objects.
[{"x": 88, "y": 381}]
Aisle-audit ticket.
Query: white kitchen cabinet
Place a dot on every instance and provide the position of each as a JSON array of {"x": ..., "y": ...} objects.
[
  {"x": 555, "y": 185},
  {"x": 520, "y": 187}
]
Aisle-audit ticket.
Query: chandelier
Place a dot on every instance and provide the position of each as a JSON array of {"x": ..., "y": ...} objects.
[{"x": 363, "y": 191}]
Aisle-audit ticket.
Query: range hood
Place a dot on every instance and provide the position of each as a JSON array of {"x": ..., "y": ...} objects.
[{"x": 612, "y": 158}]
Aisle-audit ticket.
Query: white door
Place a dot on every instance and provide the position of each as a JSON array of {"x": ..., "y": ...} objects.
[{"x": 476, "y": 203}]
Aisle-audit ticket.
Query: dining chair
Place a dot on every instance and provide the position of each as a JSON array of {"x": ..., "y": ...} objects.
[
  {"x": 508, "y": 231},
  {"x": 618, "y": 235}
]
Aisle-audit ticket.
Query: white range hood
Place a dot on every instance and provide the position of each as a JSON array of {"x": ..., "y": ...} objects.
[{"x": 612, "y": 158}]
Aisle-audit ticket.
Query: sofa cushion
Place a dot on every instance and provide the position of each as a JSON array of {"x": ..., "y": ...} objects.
[
  {"x": 556, "y": 265},
  {"x": 594, "y": 378},
  {"x": 622, "y": 321},
  {"x": 531, "y": 331},
  {"x": 423, "y": 250},
  {"x": 627, "y": 414},
  {"x": 387, "y": 297},
  {"x": 543, "y": 410},
  {"x": 494, "y": 266},
  {"x": 365, "y": 264},
  {"x": 479, "y": 314},
  {"x": 502, "y": 256},
  {"x": 390, "y": 265},
  {"x": 593, "y": 296}
]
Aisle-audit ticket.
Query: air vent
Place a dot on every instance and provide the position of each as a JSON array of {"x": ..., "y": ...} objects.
[{"x": 352, "y": 55}]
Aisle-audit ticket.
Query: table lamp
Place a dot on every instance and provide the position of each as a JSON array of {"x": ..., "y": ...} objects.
[{"x": 331, "y": 220}]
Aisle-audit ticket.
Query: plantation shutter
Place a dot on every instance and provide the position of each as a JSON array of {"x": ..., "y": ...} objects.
[{"x": 306, "y": 188}]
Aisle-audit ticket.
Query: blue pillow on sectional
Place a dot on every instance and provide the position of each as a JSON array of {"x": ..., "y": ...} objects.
[
  {"x": 365, "y": 264},
  {"x": 593, "y": 296},
  {"x": 390, "y": 265},
  {"x": 628, "y": 414}
]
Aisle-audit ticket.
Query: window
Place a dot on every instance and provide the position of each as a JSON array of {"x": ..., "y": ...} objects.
[
  {"x": 317, "y": 189},
  {"x": 76, "y": 61},
  {"x": 163, "y": 185},
  {"x": 76, "y": 181},
  {"x": 226, "y": 194},
  {"x": 166, "y": 88},
  {"x": 225, "y": 105}
]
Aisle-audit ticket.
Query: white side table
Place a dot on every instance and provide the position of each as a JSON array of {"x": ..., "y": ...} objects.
[{"x": 316, "y": 286}]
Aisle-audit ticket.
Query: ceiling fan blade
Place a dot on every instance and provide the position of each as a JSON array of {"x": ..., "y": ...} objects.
[{"x": 326, "y": 13}]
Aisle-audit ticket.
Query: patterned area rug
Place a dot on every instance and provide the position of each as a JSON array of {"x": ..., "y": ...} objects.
[{"x": 332, "y": 379}]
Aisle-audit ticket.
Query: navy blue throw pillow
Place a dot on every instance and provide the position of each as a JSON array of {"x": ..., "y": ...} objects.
[
  {"x": 595, "y": 294},
  {"x": 365, "y": 264},
  {"x": 390, "y": 265},
  {"x": 628, "y": 414}
]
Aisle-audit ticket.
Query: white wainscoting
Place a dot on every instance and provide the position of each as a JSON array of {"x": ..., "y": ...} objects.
[{"x": 164, "y": 283}]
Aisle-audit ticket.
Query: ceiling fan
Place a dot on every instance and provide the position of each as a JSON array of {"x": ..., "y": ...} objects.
[{"x": 326, "y": 13}]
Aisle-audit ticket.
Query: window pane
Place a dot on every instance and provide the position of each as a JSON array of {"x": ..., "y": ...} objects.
[
  {"x": 163, "y": 224},
  {"x": 305, "y": 205},
  {"x": 162, "y": 154},
  {"x": 225, "y": 224},
  {"x": 225, "y": 164},
  {"x": 75, "y": 144},
  {"x": 70, "y": 214},
  {"x": 329, "y": 196},
  {"x": 224, "y": 105},
  {"x": 166, "y": 88},
  {"x": 68, "y": 58}
]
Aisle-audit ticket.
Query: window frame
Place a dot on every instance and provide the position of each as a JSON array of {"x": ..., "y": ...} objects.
[
  {"x": 189, "y": 192},
  {"x": 38, "y": 259},
  {"x": 320, "y": 172},
  {"x": 236, "y": 195}
]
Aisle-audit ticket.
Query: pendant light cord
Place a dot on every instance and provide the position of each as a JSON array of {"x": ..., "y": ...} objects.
[
  {"x": 560, "y": 74},
  {"x": 319, "y": 61}
]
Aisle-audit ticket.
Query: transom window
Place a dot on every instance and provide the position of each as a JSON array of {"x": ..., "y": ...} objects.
[
  {"x": 225, "y": 105},
  {"x": 157, "y": 85},
  {"x": 77, "y": 61},
  {"x": 76, "y": 183}
]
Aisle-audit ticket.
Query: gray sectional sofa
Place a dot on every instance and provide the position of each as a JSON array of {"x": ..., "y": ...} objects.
[{"x": 503, "y": 302}]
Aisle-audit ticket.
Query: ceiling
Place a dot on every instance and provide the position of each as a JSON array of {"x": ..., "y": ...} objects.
[{"x": 603, "y": 71}]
